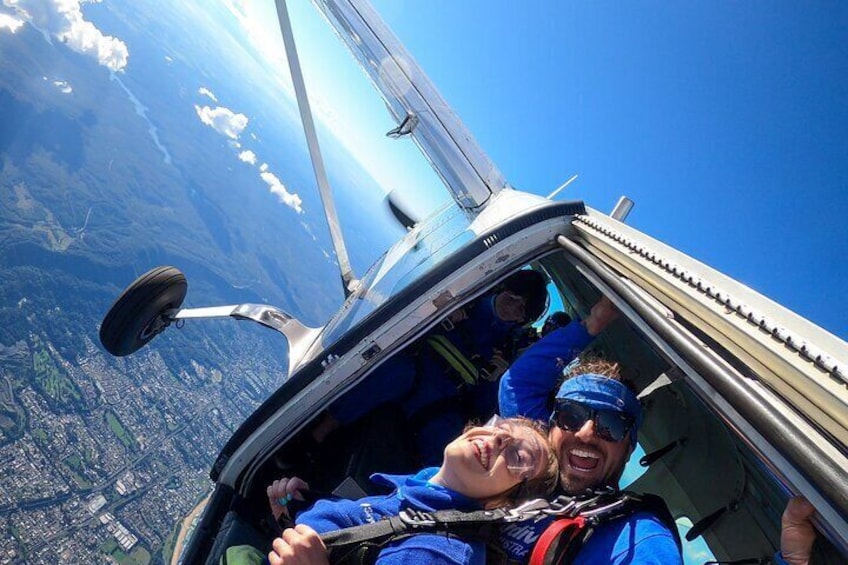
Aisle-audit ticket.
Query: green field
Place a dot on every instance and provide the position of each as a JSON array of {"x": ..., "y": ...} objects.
[
  {"x": 54, "y": 384},
  {"x": 75, "y": 464},
  {"x": 17, "y": 535},
  {"x": 118, "y": 429},
  {"x": 12, "y": 416},
  {"x": 167, "y": 550},
  {"x": 109, "y": 546},
  {"x": 138, "y": 556}
]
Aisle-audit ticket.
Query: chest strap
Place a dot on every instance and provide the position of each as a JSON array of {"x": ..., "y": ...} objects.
[
  {"x": 577, "y": 518},
  {"x": 556, "y": 544},
  {"x": 357, "y": 543},
  {"x": 580, "y": 516}
]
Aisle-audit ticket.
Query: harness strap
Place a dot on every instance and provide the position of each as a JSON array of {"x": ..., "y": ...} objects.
[
  {"x": 454, "y": 357},
  {"x": 358, "y": 542},
  {"x": 341, "y": 542},
  {"x": 559, "y": 543},
  {"x": 563, "y": 539},
  {"x": 555, "y": 539}
]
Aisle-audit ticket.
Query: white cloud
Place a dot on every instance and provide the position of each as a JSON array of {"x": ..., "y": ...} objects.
[
  {"x": 248, "y": 157},
  {"x": 169, "y": 59},
  {"x": 206, "y": 92},
  {"x": 63, "y": 86},
  {"x": 63, "y": 19},
  {"x": 289, "y": 199},
  {"x": 84, "y": 38},
  {"x": 10, "y": 22},
  {"x": 223, "y": 120},
  {"x": 259, "y": 22},
  {"x": 263, "y": 167}
]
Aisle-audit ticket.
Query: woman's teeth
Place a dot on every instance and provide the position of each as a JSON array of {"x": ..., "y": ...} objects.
[{"x": 482, "y": 450}]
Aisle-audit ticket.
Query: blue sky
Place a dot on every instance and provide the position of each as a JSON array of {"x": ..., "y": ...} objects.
[{"x": 726, "y": 122}]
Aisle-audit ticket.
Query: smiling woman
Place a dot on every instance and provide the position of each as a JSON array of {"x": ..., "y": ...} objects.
[
  {"x": 494, "y": 465},
  {"x": 499, "y": 462}
]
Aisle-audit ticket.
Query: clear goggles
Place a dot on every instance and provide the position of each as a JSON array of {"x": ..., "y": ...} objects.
[{"x": 523, "y": 450}]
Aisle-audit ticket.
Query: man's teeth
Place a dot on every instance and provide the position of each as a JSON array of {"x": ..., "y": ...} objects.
[{"x": 582, "y": 460}]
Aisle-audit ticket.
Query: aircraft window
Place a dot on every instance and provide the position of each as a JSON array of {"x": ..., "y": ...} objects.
[
  {"x": 447, "y": 233},
  {"x": 555, "y": 304},
  {"x": 633, "y": 470},
  {"x": 695, "y": 552}
]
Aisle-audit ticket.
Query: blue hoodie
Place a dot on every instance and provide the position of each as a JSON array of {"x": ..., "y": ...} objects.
[{"x": 411, "y": 491}]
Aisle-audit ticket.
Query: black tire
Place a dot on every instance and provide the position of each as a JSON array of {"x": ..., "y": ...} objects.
[{"x": 137, "y": 316}]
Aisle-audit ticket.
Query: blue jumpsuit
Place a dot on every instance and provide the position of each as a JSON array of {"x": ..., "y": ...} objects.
[
  {"x": 411, "y": 491},
  {"x": 525, "y": 390}
]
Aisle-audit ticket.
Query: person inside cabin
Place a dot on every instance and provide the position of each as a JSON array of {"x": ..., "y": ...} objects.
[
  {"x": 594, "y": 423},
  {"x": 450, "y": 375},
  {"x": 496, "y": 465},
  {"x": 593, "y": 426}
]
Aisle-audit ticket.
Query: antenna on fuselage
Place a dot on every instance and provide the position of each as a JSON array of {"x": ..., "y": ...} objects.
[
  {"x": 622, "y": 209},
  {"x": 348, "y": 279},
  {"x": 561, "y": 187}
]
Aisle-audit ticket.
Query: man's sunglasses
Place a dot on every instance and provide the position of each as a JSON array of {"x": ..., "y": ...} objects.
[{"x": 610, "y": 425}]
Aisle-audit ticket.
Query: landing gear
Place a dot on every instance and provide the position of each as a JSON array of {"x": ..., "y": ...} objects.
[{"x": 141, "y": 312}]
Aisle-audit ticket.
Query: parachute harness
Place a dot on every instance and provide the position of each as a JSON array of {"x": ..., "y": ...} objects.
[{"x": 576, "y": 516}]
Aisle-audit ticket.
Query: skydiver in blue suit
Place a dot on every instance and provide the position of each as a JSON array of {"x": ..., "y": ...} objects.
[{"x": 594, "y": 422}]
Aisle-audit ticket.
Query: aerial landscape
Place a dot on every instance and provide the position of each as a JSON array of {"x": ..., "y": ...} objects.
[{"x": 113, "y": 161}]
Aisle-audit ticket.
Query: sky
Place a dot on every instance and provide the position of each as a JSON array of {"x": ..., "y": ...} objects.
[{"x": 726, "y": 122}]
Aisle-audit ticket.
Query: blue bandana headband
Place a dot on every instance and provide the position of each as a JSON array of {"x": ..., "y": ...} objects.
[{"x": 603, "y": 393}]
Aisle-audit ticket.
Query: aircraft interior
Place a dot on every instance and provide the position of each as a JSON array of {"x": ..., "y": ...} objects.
[{"x": 710, "y": 477}]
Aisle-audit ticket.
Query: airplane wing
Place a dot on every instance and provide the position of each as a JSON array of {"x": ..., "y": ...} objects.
[{"x": 469, "y": 174}]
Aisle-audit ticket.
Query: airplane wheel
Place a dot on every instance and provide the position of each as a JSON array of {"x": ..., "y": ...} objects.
[{"x": 138, "y": 315}]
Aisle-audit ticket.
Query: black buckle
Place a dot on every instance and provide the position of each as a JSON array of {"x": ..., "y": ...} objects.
[{"x": 415, "y": 518}]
